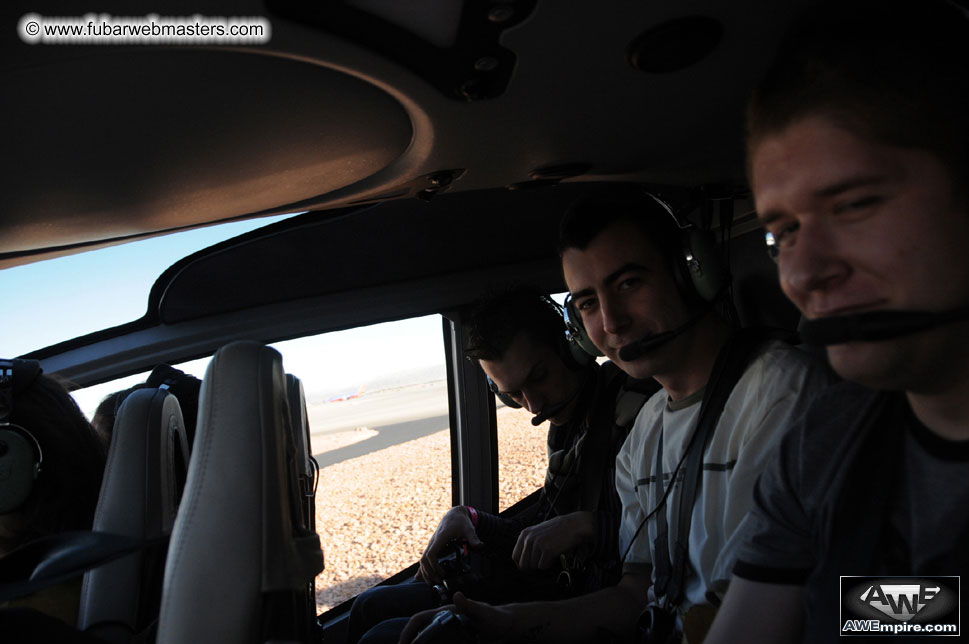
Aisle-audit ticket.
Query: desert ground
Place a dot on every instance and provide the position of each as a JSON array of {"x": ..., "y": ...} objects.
[{"x": 385, "y": 480}]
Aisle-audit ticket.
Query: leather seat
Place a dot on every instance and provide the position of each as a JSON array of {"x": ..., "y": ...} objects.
[
  {"x": 239, "y": 560},
  {"x": 143, "y": 480}
]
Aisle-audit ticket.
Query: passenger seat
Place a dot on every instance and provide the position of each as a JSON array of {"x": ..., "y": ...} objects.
[
  {"x": 143, "y": 480},
  {"x": 239, "y": 559}
]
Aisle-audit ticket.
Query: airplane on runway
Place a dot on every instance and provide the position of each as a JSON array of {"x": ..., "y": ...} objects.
[{"x": 349, "y": 395}]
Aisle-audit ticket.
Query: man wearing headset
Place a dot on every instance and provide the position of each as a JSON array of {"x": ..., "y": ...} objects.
[
  {"x": 646, "y": 307},
  {"x": 858, "y": 148},
  {"x": 519, "y": 340}
]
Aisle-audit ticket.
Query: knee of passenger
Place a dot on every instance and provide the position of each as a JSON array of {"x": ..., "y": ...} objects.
[{"x": 362, "y": 602}]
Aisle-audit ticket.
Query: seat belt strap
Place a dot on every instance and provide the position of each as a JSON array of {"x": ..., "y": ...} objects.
[
  {"x": 731, "y": 363},
  {"x": 661, "y": 548}
]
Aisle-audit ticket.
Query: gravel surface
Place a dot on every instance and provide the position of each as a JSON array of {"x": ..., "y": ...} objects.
[{"x": 375, "y": 513}]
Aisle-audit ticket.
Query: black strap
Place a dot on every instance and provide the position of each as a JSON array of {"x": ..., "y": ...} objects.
[
  {"x": 731, "y": 363},
  {"x": 602, "y": 426},
  {"x": 661, "y": 547}
]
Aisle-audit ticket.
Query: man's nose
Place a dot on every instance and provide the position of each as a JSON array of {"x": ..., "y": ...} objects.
[
  {"x": 533, "y": 401},
  {"x": 813, "y": 262},
  {"x": 614, "y": 315}
]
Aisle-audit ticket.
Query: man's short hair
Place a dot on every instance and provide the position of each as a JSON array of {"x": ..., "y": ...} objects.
[
  {"x": 496, "y": 320},
  {"x": 588, "y": 217},
  {"x": 895, "y": 73}
]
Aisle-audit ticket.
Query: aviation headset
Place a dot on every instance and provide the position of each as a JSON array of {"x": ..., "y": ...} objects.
[
  {"x": 572, "y": 355},
  {"x": 697, "y": 266},
  {"x": 21, "y": 457}
]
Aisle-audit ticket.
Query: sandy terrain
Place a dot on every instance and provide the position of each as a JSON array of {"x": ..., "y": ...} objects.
[{"x": 375, "y": 512}]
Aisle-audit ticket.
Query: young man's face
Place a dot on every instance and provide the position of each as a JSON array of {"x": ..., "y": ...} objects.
[
  {"x": 624, "y": 292},
  {"x": 535, "y": 377},
  {"x": 862, "y": 226}
]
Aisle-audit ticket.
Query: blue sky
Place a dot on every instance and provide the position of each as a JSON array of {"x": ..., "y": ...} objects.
[{"x": 59, "y": 299}]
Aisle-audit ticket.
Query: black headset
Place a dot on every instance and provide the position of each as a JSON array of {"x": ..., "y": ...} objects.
[
  {"x": 573, "y": 355},
  {"x": 698, "y": 271},
  {"x": 21, "y": 457}
]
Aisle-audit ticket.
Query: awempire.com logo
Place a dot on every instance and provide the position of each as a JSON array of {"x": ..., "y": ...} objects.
[{"x": 896, "y": 606}]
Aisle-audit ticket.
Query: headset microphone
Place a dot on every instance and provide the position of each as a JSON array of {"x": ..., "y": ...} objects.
[
  {"x": 874, "y": 326},
  {"x": 638, "y": 348},
  {"x": 548, "y": 412}
]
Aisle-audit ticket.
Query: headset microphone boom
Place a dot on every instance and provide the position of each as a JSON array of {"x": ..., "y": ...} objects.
[{"x": 874, "y": 326}]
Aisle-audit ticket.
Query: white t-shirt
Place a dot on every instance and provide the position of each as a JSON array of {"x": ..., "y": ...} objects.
[{"x": 772, "y": 393}]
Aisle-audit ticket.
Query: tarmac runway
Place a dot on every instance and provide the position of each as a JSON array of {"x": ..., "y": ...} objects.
[{"x": 398, "y": 415}]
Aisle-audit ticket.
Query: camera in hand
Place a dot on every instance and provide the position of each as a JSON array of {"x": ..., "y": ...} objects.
[
  {"x": 459, "y": 573},
  {"x": 447, "y": 626},
  {"x": 657, "y": 626}
]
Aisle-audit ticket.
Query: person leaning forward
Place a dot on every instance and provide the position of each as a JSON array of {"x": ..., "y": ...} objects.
[
  {"x": 621, "y": 256},
  {"x": 567, "y": 543}
]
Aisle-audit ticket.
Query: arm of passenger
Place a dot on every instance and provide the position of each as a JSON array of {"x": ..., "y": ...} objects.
[
  {"x": 774, "y": 553},
  {"x": 581, "y": 619},
  {"x": 783, "y": 407},
  {"x": 498, "y": 529},
  {"x": 633, "y": 542},
  {"x": 758, "y": 613}
]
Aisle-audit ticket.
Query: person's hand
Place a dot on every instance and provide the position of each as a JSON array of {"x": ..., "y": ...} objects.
[
  {"x": 419, "y": 622},
  {"x": 539, "y": 546},
  {"x": 489, "y": 623},
  {"x": 456, "y": 524}
]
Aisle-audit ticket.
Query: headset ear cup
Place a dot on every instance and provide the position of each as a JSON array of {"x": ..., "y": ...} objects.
[
  {"x": 705, "y": 265},
  {"x": 19, "y": 467},
  {"x": 579, "y": 356},
  {"x": 505, "y": 398},
  {"x": 575, "y": 331},
  {"x": 574, "y": 356}
]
